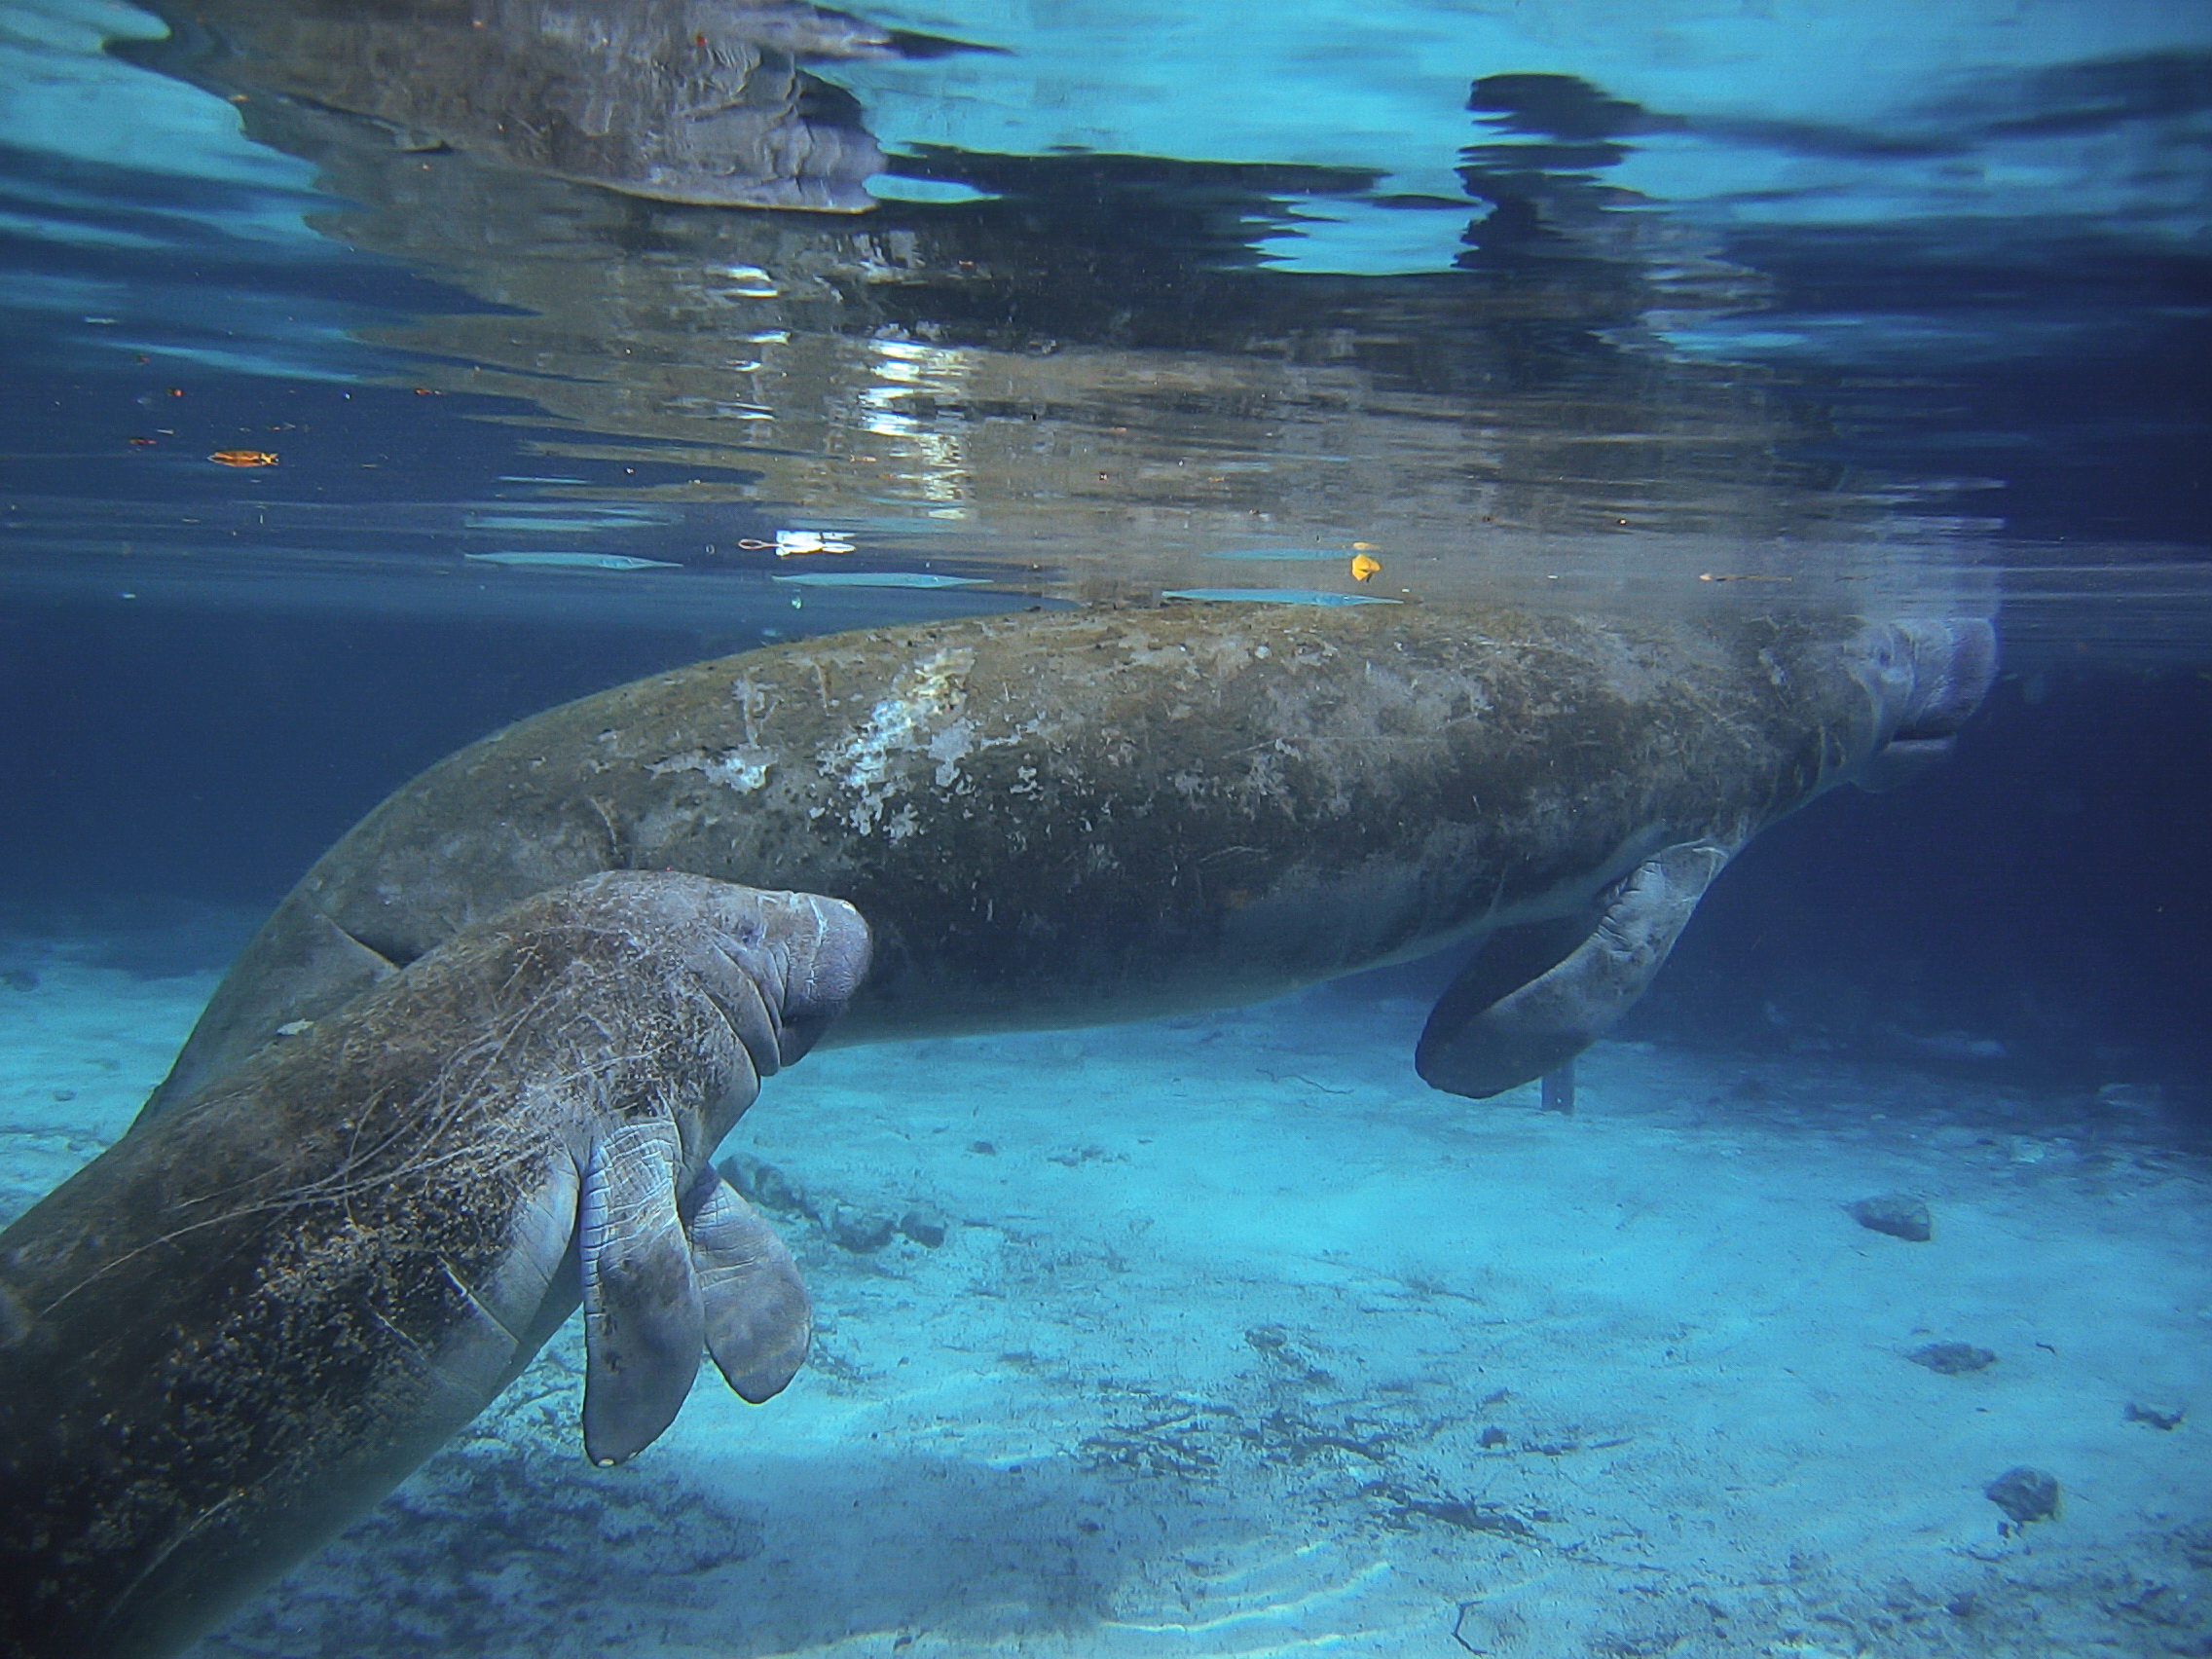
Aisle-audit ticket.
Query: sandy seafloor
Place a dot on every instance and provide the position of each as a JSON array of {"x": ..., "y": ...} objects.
[{"x": 1242, "y": 1341}]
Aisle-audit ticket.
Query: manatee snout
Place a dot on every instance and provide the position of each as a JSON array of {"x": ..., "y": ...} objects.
[
  {"x": 1932, "y": 674},
  {"x": 821, "y": 957},
  {"x": 1952, "y": 662},
  {"x": 779, "y": 965}
]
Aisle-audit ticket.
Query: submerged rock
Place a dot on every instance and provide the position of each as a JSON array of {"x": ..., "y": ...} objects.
[
  {"x": 858, "y": 1231},
  {"x": 848, "y": 1226},
  {"x": 2165, "y": 1415},
  {"x": 2024, "y": 1495},
  {"x": 768, "y": 1186},
  {"x": 924, "y": 1227}
]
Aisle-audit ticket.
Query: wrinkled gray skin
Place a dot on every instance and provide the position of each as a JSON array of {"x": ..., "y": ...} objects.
[
  {"x": 237, "y": 1328},
  {"x": 1078, "y": 818},
  {"x": 685, "y": 100}
]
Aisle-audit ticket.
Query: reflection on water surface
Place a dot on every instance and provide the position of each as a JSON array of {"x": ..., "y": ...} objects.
[{"x": 1642, "y": 335}]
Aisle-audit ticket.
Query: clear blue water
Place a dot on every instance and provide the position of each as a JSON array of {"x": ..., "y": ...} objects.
[{"x": 1581, "y": 306}]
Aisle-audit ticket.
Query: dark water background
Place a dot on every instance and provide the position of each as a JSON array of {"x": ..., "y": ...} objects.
[{"x": 1116, "y": 366}]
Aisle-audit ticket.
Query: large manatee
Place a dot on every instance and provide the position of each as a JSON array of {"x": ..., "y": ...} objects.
[
  {"x": 243, "y": 1324},
  {"x": 1060, "y": 818}
]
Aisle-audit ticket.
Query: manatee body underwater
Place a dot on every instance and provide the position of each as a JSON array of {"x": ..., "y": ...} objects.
[
  {"x": 241, "y": 1325},
  {"x": 1056, "y": 819}
]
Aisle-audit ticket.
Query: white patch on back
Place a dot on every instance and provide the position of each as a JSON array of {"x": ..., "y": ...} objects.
[
  {"x": 923, "y": 695},
  {"x": 744, "y": 768}
]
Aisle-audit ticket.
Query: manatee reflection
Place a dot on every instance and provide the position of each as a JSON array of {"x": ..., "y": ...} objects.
[{"x": 684, "y": 100}]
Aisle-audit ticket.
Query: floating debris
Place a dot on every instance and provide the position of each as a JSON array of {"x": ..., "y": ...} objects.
[
  {"x": 244, "y": 458},
  {"x": 574, "y": 561},
  {"x": 1273, "y": 596},
  {"x": 880, "y": 579},
  {"x": 1364, "y": 566}
]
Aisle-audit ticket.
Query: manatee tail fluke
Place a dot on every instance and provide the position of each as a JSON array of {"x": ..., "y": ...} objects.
[{"x": 1535, "y": 996}]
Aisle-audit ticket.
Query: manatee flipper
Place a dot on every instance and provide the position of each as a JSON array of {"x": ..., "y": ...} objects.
[
  {"x": 1483, "y": 1038},
  {"x": 759, "y": 1316},
  {"x": 1512, "y": 957},
  {"x": 643, "y": 1323}
]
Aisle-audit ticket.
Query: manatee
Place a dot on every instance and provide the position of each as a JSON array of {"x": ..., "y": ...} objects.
[
  {"x": 238, "y": 1327},
  {"x": 1075, "y": 818}
]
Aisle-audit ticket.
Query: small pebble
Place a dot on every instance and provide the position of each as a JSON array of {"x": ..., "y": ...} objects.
[
  {"x": 1952, "y": 1359},
  {"x": 1900, "y": 1215}
]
